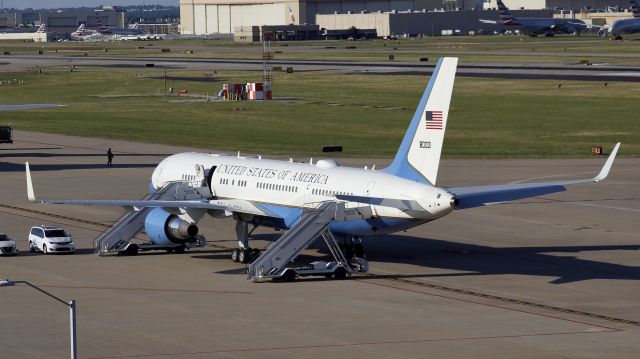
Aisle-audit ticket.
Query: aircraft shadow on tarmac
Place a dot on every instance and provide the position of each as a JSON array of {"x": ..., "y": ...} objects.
[
  {"x": 477, "y": 260},
  {"x": 100, "y": 160},
  {"x": 31, "y": 149},
  {"x": 16, "y": 167},
  {"x": 51, "y": 155}
]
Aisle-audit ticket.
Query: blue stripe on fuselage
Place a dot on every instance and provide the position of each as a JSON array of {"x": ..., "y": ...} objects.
[{"x": 288, "y": 216}]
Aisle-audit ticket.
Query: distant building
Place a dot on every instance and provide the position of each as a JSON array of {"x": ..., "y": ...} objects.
[
  {"x": 276, "y": 33},
  {"x": 166, "y": 29},
  {"x": 421, "y": 23},
  {"x": 24, "y": 36},
  {"x": 64, "y": 22},
  {"x": 559, "y": 4},
  {"x": 202, "y": 17}
]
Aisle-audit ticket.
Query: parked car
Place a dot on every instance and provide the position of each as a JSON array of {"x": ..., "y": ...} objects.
[
  {"x": 50, "y": 239},
  {"x": 8, "y": 246}
]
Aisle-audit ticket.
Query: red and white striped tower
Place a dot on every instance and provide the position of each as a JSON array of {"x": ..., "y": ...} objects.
[{"x": 267, "y": 56}]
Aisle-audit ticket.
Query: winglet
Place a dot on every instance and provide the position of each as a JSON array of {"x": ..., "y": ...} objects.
[
  {"x": 30, "y": 194},
  {"x": 604, "y": 172}
]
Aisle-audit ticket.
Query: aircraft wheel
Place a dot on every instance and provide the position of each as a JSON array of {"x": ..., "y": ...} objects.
[
  {"x": 243, "y": 256},
  {"x": 289, "y": 275},
  {"x": 253, "y": 254},
  {"x": 132, "y": 250},
  {"x": 340, "y": 273},
  {"x": 235, "y": 254},
  {"x": 358, "y": 250},
  {"x": 179, "y": 249}
]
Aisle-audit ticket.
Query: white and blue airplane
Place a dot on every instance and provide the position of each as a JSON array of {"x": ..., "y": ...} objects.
[{"x": 274, "y": 193}]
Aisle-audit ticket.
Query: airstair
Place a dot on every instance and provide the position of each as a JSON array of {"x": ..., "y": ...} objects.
[
  {"x": 311, "y": 225},
  {"x": 115, "y": 239}
]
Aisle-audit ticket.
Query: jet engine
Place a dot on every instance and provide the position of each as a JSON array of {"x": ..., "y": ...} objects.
[{"x": 164, "y": 228}]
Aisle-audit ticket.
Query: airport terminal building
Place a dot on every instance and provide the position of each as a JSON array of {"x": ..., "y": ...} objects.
[{"x": 64, "y": 22}]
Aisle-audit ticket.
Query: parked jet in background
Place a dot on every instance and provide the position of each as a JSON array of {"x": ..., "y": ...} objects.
[
  {"x": 624, "y": 26},
  {"x": 42, "y": 28},
  {"x": 83, "y": 34},
  {"x": 537, "y": 26},
  {"x": 261, "y": 192}
]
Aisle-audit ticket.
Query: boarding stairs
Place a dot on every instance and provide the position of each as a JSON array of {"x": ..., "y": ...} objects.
[
  {"x": 311, "y": 225},
  {"x": 116, "y": 238}
]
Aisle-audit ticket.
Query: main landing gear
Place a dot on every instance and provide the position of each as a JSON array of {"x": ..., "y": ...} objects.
[{"x": 244, "y": 253}]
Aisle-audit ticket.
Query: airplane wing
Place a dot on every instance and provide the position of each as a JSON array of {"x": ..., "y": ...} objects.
[
  {"x": 488, "y": 21},
  {"x": 470, "y": 197},
  {"x": 235, "y": 205}
]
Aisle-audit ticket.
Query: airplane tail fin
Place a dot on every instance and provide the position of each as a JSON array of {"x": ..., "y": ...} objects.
[
  {"x": 635, "y": 8},
  {"x": 505, "y": 13},
  {"x": 42, "y": 28},
  {"x": 418, "y": 157}
]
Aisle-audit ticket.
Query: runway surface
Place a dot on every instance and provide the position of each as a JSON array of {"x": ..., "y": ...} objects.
[
  {"x": 600, "y": 72},
  {"x": 555, "y": 276},
  {"x": 27, "y": 106}
]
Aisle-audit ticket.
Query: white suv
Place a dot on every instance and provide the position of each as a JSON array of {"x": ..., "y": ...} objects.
[
  {"x": 8, "y": 246},
  {"x": 50, "y": 239}
]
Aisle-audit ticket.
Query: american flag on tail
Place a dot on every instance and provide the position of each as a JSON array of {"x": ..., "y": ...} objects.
[{"x": 434, "y": 120}]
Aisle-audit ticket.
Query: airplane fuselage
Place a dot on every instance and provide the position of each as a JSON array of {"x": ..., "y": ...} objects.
[
  {"x": 625, "y": 26},
  {"x": 286, "y": 187},
  {"x": 547, "y": 25}
]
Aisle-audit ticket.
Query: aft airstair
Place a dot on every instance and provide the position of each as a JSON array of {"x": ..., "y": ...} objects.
[
  {"x": 115, "y": 239},
  {"x": 311, "y": 225}
]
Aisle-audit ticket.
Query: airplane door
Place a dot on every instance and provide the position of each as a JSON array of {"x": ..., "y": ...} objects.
[
  {"x": 210, "y": 180},
  {"x": 370, "y": 187},
  {"x": 369, "y": 193}
]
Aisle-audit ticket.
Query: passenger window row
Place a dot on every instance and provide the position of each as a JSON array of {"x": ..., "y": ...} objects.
[
  {"x": 326, "y": 192},
  {"x": 188, "y": 177},
  {"x": 240, "y": 183},
  {"x": 277, "y": 187}
]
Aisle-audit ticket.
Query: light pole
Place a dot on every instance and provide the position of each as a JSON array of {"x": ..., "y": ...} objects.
[{"x": 72, "y": 311}]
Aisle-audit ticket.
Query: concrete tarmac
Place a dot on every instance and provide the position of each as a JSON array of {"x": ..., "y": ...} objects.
[
  {"x": 515, "y": 70},
  {"x": 549, "y": 277}
]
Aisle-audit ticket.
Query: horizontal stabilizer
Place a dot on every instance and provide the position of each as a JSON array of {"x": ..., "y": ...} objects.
[{"x": 469, "y": 197}]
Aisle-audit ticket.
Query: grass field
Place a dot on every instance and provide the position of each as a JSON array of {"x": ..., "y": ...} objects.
[{"x": 367, "y": 114}]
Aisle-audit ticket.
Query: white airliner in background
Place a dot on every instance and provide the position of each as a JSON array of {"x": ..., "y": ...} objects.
[{"x": 274, "y": 193}]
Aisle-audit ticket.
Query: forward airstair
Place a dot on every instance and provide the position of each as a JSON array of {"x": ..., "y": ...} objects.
[
  {"x": 312, "y": 224},
  {"x": 115, "y": 239}
]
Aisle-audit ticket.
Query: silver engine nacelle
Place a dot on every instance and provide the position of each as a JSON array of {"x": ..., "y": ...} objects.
[
  {"x": 164, "y": 228},
  {"x": 180, "y": 229}
]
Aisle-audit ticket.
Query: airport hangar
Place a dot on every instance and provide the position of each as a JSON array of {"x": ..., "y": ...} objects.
[
  {"x": 388, "y": 17},
  {"x": 202, "y": 17}
]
